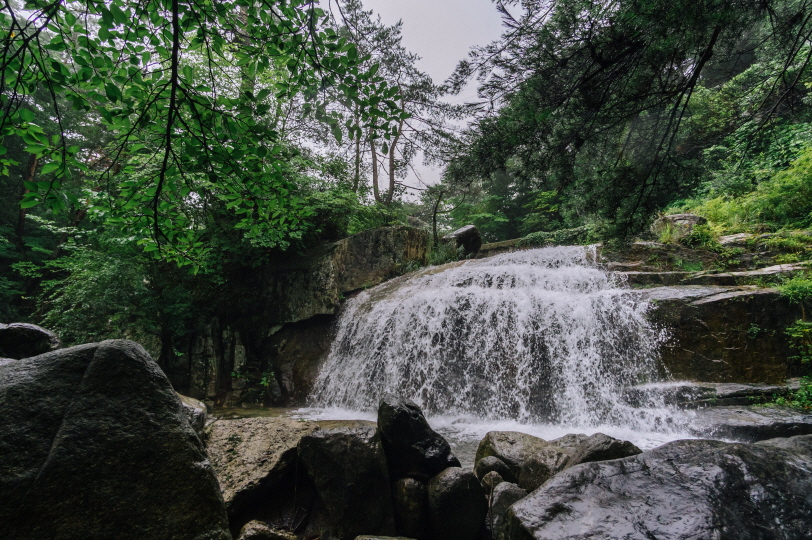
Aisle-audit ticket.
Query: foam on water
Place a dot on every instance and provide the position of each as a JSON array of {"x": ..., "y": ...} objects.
[{"x": 542, "y": 340}]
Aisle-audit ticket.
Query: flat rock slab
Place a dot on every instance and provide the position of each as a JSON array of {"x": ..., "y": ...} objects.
[
  {"x": 751, "y": 423},
  {"x": 704, "y": 394},
  {"x": 748, "y": 277},
  {"x": 684, "y": 490}
]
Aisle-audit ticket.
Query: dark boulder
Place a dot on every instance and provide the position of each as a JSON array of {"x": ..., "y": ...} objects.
[
  {"x": 457, "y": 505},
  {"x": 468, "y": 237},
  {"x": 502, "y": 498},
  {"x": 95, "y": 445},
  {"x": 410, "y": 499},
  {"x": 21, "y": 340},
  {"x": 690, "y": 489},
  {"x": 412, "y": 448},
  {"x": 570, "y": 442},
  {"x": 347, "y": 466},
  {"x": 600, "y": 447},
  {"x": 493, "y": 463}
]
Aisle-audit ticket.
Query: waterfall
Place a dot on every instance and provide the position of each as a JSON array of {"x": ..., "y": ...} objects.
[{"x": 537, "y": 336}]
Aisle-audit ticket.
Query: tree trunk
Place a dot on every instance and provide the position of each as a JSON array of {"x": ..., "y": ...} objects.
[
  {"x": 31, "y": 172},
  {"x": 375, "y": 189}
]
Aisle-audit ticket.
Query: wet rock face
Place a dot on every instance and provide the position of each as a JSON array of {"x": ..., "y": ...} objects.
[
  {"x": 725, "y": 334},
  {"x": 690, "y": 489},
  {"x": 21, "y": 340},
  {"x": 412, "y": 448},
  {"x": 95, "y": 444},
  {"x": 457, "y": 505}
]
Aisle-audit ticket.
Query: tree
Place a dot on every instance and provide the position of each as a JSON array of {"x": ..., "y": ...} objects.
[
  {"x": 590, "y": 100},
  {"x": 158, "y": 74}
]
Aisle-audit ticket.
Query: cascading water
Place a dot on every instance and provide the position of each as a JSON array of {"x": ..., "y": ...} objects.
[{"x": 540, "y": 336}]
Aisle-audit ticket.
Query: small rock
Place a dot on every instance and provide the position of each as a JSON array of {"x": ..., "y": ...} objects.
[
  {"x": 680, "y": 224},
  {"x": 491, "y": 480},
  {"x": 410, "y": 500},
  {"x": 257, "y": 530},
  {"x": 493, "y": 463},
  {"x": 368, "y": 537},
  {"x": 21, "y": 340},
  {"x": 457, "y": 505},
  {"x": 468, "y": 237},
  {"x": 196, "y": 413},
  {"x": 600, "y": 447},
  {"x": 412, "y": 447},
  {"x": 503, "y": 497}
]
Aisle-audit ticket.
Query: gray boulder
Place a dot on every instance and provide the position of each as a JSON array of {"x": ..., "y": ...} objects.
[
  {"x": 511, "y": 447},
  {"x": 541, "y": 466},
  {"x": 600, "y": 447},
  {"x": 21, "y": 340},
  {"x": 95, "y": 445},
  {"x": 412, "y": 448},
  {"x": 684, "y": 490},
  {"x": 502, "y": 498},
  {"x": 468, "y": 237},
  {"x": 410, "y": 499},
  {"x": 457, "y": 505}
]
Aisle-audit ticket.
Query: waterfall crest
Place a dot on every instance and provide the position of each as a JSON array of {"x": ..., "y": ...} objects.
[{"x": 541, "y": 335}]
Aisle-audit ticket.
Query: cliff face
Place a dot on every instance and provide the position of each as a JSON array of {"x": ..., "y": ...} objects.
[{"x": 267, "y": 335}]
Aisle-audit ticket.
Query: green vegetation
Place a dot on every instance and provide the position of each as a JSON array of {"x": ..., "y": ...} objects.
[{"x": 800, "y": 398}]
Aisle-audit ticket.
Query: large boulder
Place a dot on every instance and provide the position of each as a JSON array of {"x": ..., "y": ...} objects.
[
  {"x": 689, "y": 489},
  {"x": 196, "y": 413},
  {"x": 493, "y": 464},
  {"x": 541, "y": 466},
  {"x": 457, "y": 505},
  {"x": 412, "y": 448},
  {"x": 324, "y": 478},
  {"x": 467, "y": 237},
  {"x": 95, "y": 444},
  {"x": 21, "y": 340},
  {"x": 347, "y": 465}
]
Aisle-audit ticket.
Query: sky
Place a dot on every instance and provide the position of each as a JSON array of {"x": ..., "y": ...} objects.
[{"x": 441, "y": 32}]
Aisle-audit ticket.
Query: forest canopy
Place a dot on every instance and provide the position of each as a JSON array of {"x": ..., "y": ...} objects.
[{"x": 150, "y": 151}]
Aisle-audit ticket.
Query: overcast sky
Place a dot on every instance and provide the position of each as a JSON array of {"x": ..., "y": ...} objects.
[{"x": 441, "y": 32}]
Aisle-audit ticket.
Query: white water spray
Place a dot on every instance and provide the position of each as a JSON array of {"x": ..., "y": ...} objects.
[{"x": 536, "y": 336}]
